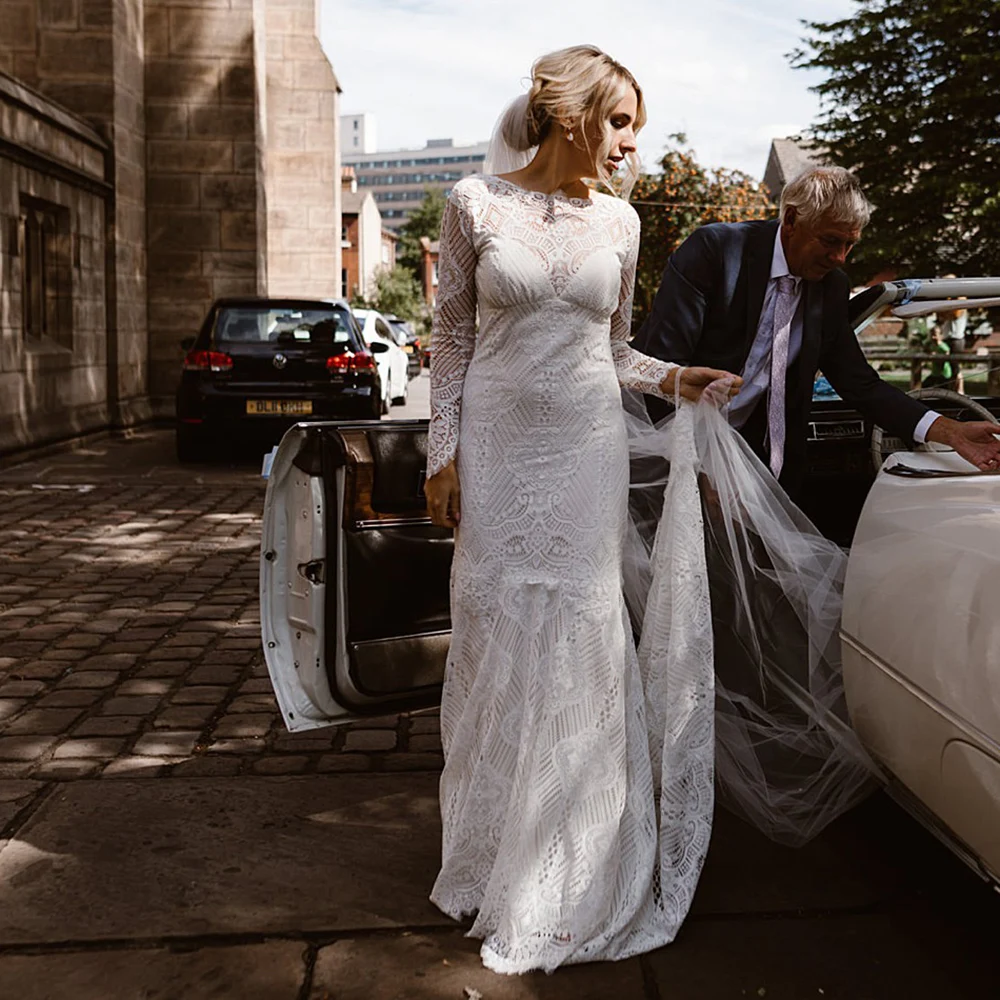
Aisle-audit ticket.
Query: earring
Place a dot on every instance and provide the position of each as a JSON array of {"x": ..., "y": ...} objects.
[{"x": 569, "y": 136}]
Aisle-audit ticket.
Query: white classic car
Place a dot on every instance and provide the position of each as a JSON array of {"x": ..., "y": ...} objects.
[{"x": 346, "y": 536}]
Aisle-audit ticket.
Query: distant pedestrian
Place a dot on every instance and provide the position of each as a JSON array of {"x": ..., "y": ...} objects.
[
  {"x": 941, "y": 369},
  {"x": 954, "y": 324}
]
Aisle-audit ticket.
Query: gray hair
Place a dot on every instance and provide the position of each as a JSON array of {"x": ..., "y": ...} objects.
[{"x": 832, "y": 191}]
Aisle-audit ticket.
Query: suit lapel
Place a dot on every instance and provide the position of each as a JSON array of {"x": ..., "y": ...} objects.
[{"x": 760, "y": 250}]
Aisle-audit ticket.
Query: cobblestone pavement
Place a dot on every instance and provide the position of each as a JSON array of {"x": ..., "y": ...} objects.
[{"x": 129, "y": 628}]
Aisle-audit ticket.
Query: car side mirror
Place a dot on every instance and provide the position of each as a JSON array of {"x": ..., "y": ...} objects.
[
  {"x": 187, "y": 343},
  {"x": 377, "y": 347}
]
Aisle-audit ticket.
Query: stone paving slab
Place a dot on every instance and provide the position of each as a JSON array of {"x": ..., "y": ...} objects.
[
  {"x": 328, "y": 853},
  {"x": 444, "y": 965},
  {"x": 129, "y": 859},
  {"x": 273, "y": 970},
  {"x": 862, "y": 957}
]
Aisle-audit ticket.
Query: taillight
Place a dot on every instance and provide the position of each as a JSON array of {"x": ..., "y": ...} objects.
[
  {"x": 347, "y": 361},
  {"x": 208, "y": 361}
]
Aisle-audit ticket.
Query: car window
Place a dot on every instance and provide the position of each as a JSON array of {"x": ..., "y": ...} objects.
[{"x": 262, "y": 324}]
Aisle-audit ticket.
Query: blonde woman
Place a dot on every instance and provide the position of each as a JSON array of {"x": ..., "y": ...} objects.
[{"x": 551, "y": 835}]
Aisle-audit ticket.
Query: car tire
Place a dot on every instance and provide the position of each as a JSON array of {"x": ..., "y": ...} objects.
[
  {"x": 190, "y": 444},
  {"x": 385, "y": 406}
]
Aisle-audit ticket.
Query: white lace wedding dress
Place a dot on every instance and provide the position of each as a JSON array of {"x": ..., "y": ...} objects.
[{"x": 560, "y": 830}]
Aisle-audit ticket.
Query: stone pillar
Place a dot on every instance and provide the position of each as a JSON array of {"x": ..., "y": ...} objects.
[
  {"x": 202, "y": 171},
  {"x": 128, "y": 349},
  {"x": 301, "y": 154}
]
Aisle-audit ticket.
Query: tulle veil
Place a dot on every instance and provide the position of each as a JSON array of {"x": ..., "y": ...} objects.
[
  {"x": 736, "y": 597},
  {"x": 501, "y": 156}
]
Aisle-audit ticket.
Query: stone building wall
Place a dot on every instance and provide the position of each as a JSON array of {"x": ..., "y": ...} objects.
[
  {"x": 86, "y": 55},
  {"x": 55, "y": 385}
]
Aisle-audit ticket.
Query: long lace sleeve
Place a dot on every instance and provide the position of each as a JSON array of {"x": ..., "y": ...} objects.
[
  {"x": 454, "y": 332},
  {"x": 635, "y": 370}
]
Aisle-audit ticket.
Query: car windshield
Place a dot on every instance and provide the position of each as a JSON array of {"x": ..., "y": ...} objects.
[{"x": 285, "y": 325}]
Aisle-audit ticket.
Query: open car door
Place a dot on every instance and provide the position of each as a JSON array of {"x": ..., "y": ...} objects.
[{"x": 354, "y": 577}]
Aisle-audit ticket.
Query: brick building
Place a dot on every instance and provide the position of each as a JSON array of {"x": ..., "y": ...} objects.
[
  {"x": 361, "y": 238},
  {"x": 429, "y": 250},
  {"x": 154, "y": 154}
]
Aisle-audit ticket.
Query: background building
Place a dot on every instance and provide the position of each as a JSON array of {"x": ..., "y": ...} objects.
[
  {"x": 362, "y": 240},
  {"x": 787, "y": 159},
  {"x": 397, "y": 178},
  {"x": 358, "y": 133},
  {"x": 154, "y": 154}
]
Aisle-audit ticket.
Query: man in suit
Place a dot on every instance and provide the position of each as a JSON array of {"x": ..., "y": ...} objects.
[{"x": 768, "y": 301}]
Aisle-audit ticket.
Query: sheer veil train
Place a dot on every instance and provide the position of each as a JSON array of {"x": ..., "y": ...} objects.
[{"x": 737, "y": 598}]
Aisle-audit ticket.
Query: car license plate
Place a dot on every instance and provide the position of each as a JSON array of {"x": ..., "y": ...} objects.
[
  {"x": 408, "y": 348},
  {"x": 279, "y": 407}
]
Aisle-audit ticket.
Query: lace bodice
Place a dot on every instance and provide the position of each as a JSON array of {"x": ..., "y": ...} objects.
[{"x": 522, "y": 259}]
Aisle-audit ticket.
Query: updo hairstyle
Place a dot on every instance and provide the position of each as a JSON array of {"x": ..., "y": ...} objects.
[{"x": 576, "y": 89}]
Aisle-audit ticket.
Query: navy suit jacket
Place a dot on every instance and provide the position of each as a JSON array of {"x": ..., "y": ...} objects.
[{"x": 706, "y": 313}]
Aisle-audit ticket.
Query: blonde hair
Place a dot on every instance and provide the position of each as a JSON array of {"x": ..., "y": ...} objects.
[
  {"x": 819, "y": 191},
  {"x": 576, "y": 89}
]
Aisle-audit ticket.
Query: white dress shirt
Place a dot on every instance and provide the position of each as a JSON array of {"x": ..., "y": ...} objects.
[{"x": 757, "y": 369}]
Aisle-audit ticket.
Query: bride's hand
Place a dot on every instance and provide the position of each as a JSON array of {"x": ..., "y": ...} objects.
[
  {"x": 694, "y": 381},
  {"x": 444, "y": 497}
]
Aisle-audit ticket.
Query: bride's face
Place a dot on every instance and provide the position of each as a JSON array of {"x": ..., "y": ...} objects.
[{"x": 620, "y": 124}]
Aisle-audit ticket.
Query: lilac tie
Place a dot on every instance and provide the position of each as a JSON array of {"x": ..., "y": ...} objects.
[{"x": 784, "y": 309}]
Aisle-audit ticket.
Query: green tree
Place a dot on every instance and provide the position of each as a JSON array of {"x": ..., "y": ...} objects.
[
  {"x": 674, "y": 202},
  {"x": 911, "y": 103},
  {"x": 424, "y": 221},
  {"x": 397, "y": 293}
]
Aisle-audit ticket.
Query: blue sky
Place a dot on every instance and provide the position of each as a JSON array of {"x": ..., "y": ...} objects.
[{"x": 714, "y": 69}]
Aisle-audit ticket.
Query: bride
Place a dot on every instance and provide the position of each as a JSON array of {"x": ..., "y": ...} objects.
[{"x": 578, "y": 786}]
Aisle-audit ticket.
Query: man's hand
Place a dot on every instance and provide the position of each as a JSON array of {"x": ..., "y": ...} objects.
[
  {"x": 975, "y": 441},
  {"x": 444, "y": 498},
  {"x": 694, "y": 381}
]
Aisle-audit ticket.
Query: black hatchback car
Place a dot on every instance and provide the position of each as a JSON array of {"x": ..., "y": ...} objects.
[{"x": 260, "y": 365}]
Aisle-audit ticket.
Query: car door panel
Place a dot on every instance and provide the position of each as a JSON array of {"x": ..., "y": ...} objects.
[{"x": 375, "y": 598}]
